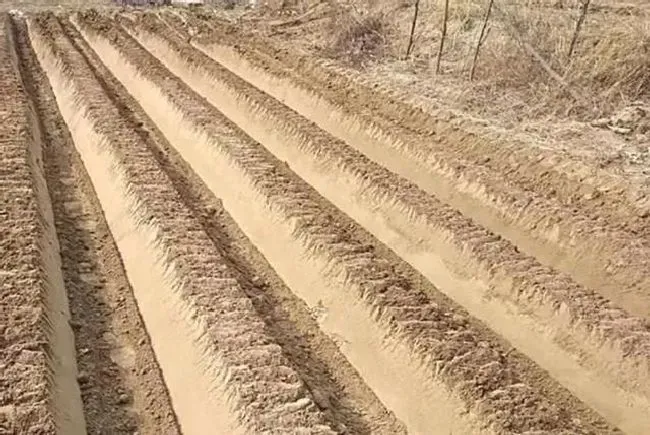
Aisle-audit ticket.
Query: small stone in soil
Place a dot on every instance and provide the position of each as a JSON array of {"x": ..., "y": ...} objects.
[
  {"x": 123, "y": 399},
  {"x": 82, "y": 378}
]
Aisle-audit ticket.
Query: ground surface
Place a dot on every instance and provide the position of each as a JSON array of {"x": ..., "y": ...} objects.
[
  {"x": 206, "y": 231},
  {"x": 592, "y": 106}
]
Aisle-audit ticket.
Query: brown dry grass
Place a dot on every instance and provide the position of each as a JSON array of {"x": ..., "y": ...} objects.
[
  {"x": 609, "y": 69},
  {"x": 602, "y": 114},
  {"x": 358, "y": 38}
]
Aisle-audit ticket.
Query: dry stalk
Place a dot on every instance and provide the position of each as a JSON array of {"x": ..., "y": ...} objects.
[
  {"x": 581, "y": 20},
  {"x": 480, "y": 39},
  {"x": 413, "y": 24},
  {"x": 444, "y": 35}
]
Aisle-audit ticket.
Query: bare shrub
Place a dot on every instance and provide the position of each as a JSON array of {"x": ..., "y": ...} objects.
[{"x": 359, "y": 39}]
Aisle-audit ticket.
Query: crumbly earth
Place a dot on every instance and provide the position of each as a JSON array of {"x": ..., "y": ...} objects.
[{"x": 206, "y": 230}]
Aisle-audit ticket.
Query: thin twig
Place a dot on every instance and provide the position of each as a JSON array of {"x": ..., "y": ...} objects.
[
  {"x": 444, "y": 35},
  {"x": 415, "y": 20},
  {"x": 301, "y": 19},
  {"x": 581, "y": 20},
  {"x": 480, "y": 39}
]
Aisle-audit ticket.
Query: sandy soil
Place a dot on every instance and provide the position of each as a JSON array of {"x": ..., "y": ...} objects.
[
  {"x": 570, "y": 217},
  {"x": 122, "y": 387},
  {"x": 206, "y": 232}
]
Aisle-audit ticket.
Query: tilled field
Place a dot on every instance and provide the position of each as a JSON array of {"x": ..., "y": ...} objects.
[{"x": 206, "y": 234}]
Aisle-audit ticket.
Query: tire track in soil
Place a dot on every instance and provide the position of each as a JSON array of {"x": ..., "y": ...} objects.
[
  {"x": 338, "y": 390},
  {"x": 121, "y": 384},
  {"x": 597, "y": 350},
  {"x": 204, "y": 329},
  {"x": 402, "y": 305}
]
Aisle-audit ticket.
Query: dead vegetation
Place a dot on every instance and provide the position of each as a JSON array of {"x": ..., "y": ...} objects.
[
  {"x": 359, "y": 39},
  {"x": 526, "y": 50},
  {"x": 537, "y": 58}
]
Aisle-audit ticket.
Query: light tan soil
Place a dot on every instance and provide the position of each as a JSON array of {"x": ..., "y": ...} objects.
[
  {"x": 566, "y": 214},
  {"x": 449, "y": 241},
  {"x": 121, "y": 385},
  {"x": 244, "y": 381},
  {"x": 260, "y": 168},
  {"x": 204, "y": 231},
  {"x": 38, "y": 372},
  {"x": 320, "y": 364}
]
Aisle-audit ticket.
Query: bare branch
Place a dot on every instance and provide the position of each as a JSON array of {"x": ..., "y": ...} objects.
[
  {"x": 444, "y": 35},
  {"x": 480, "y": 39},
  {"x": 415, "y": 20},
  {"x": 581, "y": 20}
]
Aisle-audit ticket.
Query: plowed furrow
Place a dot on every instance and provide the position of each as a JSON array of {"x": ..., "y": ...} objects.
[
  {"x": 575, "y": 219},
  {"x": 121, "y": 385},
  {"x": 368, "y": 296},
  {"x": 337, "y": 389},
  {"x": 599, "y": 350},
  {"x": 222, "y": 368},
  {"x": 38, "y": 373}
]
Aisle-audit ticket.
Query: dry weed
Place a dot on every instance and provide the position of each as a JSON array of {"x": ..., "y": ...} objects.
[
  {"x": 615, "y": 65},
  {"x": 359, "y": 38},
  {"x": 608, "y": 70}
]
